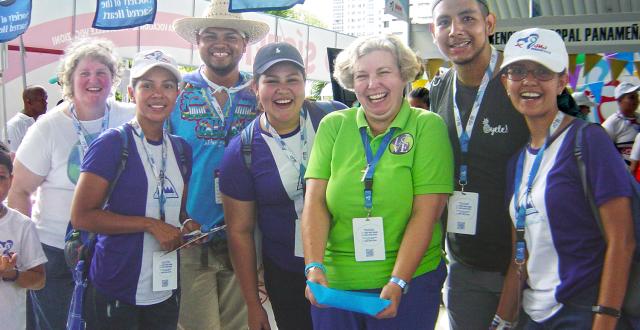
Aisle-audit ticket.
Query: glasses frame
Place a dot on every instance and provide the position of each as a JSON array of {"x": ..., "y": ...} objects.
[{"x": 539, "y": 73}]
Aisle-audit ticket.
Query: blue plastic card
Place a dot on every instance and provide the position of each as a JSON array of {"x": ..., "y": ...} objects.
[{"x": 359, "y": 302}]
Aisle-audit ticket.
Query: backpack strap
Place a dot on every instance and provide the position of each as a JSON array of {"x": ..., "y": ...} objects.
[
  {"x": 578, "y": 152},
  {"x": 182, "y": 160},
  {"x": 246, "y": 138}
]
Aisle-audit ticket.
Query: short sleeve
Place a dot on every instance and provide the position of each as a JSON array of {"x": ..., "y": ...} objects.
[
  {"x": 31, "y": 253},
  {"x": 635, "y": 151},
  {"x": 610, "y": 127},
  {"x": 433, "y": 163},
  {"x": 236, "y": 180},
  {"x": 103, "y": 155},
  {"x": 319, "y": 166},
  {"x": 606, "y": 170},
  {"x": 35, "y": 151}
]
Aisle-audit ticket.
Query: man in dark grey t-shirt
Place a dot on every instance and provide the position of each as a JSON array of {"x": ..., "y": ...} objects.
[{"x": 482, "y": 115}]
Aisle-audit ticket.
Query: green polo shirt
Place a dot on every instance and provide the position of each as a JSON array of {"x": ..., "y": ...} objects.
[{"x": 418, "y": 161}]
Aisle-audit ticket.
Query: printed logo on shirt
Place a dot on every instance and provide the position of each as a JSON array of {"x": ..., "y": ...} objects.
[
  {"x": 493, "y": 130},
  {"x": 5, "y": 247},
  {"x": 532, "y": 215},
  {"x": 401, "y": 144},
  {"x": 75, "y": 160},
  {"x": 169, "y": 190},
  {"x": 193, "y": 106}
]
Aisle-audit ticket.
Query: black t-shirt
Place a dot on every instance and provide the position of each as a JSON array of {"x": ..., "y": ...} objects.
[{"x": 498, "y": 133}]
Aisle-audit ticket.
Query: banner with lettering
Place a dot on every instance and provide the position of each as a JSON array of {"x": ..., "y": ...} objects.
[
  {"x": 239, "y": 6},
  {"x": 15, "y": 17},
  {"x": 124, "y": 14}
]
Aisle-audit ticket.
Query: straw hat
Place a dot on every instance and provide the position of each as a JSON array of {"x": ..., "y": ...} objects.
[{"x": 217, "y": 15}]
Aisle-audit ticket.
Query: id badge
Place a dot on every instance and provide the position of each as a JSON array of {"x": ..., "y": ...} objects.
[
  {"x": 298, "y": 251},
  {"x": 165, "y": 271},
  {"x": 462, "y": 213},
  {"x": 216, "y": 186},
  {"x": 368, "y": 239}
]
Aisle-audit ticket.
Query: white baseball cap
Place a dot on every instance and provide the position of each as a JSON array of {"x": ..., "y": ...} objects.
[
  {"x": 149, "y": 59},
  {"x": 582, "y": 99},
  {"x": 625, "y": 88},
  {"x": 538, "y": 45}
]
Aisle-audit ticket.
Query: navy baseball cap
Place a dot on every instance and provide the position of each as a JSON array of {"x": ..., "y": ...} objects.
[{"x": 275, "y": 53}]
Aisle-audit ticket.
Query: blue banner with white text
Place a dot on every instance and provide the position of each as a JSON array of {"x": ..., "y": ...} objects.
[
  {"x": 124, "y": 14},
  {"x": 238, "y": 6},
  {"x": 15, "y": 17}
]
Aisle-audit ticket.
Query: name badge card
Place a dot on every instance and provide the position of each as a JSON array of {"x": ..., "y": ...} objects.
[
  {"x": 165, "y": 271},
  {"x": 298, "y": 251},
  {"x": 216, "y": 187},
  {"x": 463, "y": 213},
  {"x": 368, "y": 239}
]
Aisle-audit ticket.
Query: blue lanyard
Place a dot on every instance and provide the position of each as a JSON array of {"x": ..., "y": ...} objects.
[
  {"x": 521, "y": 206},
  {"x": 300, "y": 164},
  {"x": 464, "y": 135},
  {"x": 158, "y": 174},
  {"x": 83, "y": 134},
  {"x": 372, "y": 161}
]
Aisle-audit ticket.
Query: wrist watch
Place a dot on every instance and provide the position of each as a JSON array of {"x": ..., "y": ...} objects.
[
  {"x": 12, "y": 279},
  {"x": 401, "y": 283},
  {"x": 598, "y": 309}
]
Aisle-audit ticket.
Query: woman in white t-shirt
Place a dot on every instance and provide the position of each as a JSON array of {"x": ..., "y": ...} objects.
[{"x": 49, "y": 159}]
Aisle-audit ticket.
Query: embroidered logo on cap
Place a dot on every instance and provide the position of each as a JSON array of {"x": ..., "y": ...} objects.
[{"x": 531, "y": 43}]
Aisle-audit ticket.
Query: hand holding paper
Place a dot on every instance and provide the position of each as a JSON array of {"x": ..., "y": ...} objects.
[{"x": 360, "y": 302}]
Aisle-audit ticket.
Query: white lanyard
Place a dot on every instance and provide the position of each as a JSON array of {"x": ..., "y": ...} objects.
[
  {"x": 159, "y": 174},
  {"x": 301, "y": 164},
  {"x": 464, "y": 135},
  {"x": 83, "y": 134},
  {"x": 215, "y": 88}
]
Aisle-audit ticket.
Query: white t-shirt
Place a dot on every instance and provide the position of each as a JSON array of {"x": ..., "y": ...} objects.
[
  {"x": 623, "y": 132},
  {"x": 51, "y": 149},
  {"x": 17, "y": 234},
  {"x": 635, "y": 151},
  {"x": 17, "y": 128}
]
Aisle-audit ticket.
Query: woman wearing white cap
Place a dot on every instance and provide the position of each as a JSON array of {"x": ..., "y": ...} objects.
[
  {"x": 132, "y": 278},
  {"x": 575, "y": 277}
]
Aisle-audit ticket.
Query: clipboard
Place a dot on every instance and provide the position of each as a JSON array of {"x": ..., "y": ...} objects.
[{"x": 197, "y": 236}]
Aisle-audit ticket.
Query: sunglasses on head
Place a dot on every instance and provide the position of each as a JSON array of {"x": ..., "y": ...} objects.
[{"x": 517, "y": 72}]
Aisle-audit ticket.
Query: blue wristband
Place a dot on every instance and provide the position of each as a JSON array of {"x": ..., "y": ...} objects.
[{"x": 310, "y": 265}]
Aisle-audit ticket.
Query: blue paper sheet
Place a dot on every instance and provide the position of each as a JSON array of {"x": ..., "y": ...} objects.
[{"x": 360, "y": 302}]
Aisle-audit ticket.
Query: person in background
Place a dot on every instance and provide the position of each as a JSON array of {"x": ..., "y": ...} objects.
[
  {"x": 485, "y": 130},
  {"x": 34, "y": 98},
  {"x": 21, "y": 257},
  {"x": 49, "y": 158},
  {"x": 270, "y": 192},
  {"x": 144, "y": 210},
  {"x": 419, "y": 98},
  {"x": 584, "y": 103},
  {"x": 576, "y": 278},
  {"x": 623, "y": 126},
  {"x": 634, "y": 157},
  {"x": 394, "y": 198},
  {"x": 215, "y": 105}
]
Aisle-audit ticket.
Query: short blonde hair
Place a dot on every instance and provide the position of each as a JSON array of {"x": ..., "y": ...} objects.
[
  {"x": 98, "y": 49},
  {"x": 345, "y": 61}
]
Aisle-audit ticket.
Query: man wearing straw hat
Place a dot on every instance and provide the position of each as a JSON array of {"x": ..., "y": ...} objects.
[{"x": 214, "y": 105}]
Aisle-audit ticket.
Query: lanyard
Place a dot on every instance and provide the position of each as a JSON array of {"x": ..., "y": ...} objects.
[
  {"x": 158, "y": 174},
  {"x": 372, "y": 161},
  {"x": 300, "y": 164},
  {"x": 213, "y": 104},
  {"x": 83, "y": 134},
  {"x": 464, "y": 135},
  {"x": 521, "y": 206}
]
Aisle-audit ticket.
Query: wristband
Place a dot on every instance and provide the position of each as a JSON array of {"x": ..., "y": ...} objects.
[
  {"x": 310, "y": 265},
  {"x": 499, "y": 324},
  {"x": 401, "y": 283},
  {"x": 12, "y": 279},
  {"x": 606, "y": 311}
]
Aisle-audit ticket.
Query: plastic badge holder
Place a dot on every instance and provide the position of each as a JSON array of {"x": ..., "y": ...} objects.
[{"x": 360, "y": 302}]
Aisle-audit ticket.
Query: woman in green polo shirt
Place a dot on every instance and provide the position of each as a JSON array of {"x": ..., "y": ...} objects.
[{"x": 377, "y": 181}]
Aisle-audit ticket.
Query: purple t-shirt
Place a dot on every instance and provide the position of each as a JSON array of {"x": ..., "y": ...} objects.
[
  {"x": 566, "y": 248},
  {"x": 270, "y": 182},
  {"x": 121, "y": 266}
]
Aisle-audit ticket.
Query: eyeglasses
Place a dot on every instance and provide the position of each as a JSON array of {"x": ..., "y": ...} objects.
[{"x": 519, "y": 72}]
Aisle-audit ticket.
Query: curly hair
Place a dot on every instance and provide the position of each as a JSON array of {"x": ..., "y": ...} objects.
[
  {"x": 98, "y": 49},
  {"x": 345, "y": 61}
]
